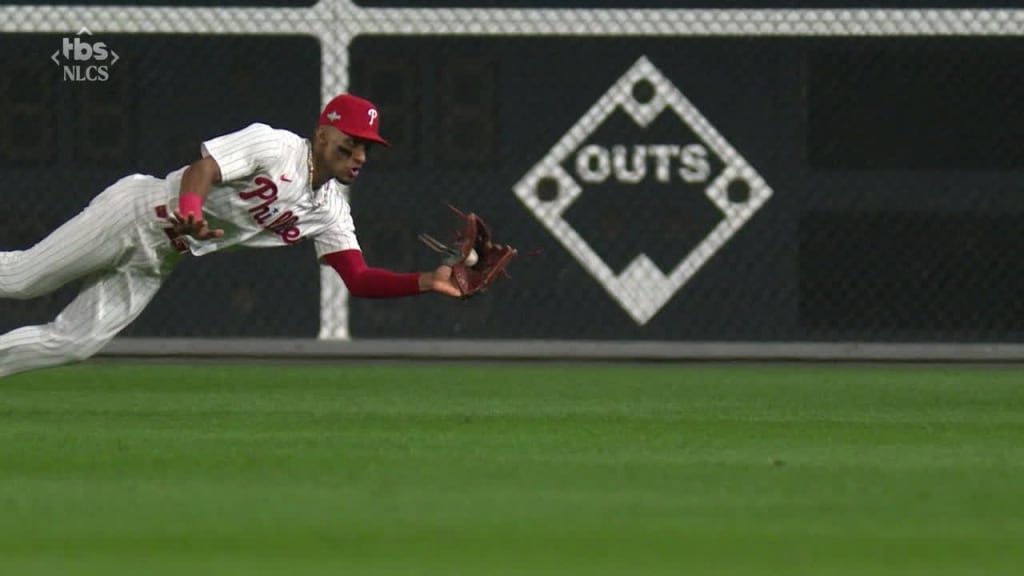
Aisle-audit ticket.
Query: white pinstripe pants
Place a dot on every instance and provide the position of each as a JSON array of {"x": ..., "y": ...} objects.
[{"x": 118, "y": 247}]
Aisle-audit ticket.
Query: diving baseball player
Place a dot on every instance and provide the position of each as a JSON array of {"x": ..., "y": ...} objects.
[{"x": 258, "y": 187}]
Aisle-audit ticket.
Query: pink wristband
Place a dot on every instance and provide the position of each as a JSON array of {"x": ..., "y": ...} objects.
[{"x": 191, "y": 203}]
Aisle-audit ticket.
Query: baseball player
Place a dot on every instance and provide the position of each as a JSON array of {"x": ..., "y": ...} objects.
[{"x": 258, "y": 187}]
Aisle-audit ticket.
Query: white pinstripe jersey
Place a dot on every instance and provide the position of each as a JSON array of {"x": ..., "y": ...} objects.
[{"x": 264, "y": 197}]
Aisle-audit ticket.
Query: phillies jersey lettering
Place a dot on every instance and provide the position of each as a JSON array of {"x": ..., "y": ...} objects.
[
  {"x": 284, "y": 225},
  {"x": 265, "y": 199}
]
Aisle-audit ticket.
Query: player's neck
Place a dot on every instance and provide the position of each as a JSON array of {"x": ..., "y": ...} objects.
[
  {"x": 316, "y": 171},
  {"x": 318, "y": 179}
]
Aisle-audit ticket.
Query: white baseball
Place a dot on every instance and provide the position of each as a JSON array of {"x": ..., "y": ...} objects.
[{"x": 471, "y": 258}]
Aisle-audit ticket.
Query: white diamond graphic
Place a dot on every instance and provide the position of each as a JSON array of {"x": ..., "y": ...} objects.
[{"x": 642, "y": 289}]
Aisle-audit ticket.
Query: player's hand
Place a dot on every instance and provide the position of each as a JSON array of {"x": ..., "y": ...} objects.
[
  {"x": 196, "y": 228},
  {"x": 442, "y": 282}
]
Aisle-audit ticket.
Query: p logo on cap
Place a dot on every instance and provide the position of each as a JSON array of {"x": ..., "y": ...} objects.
[{"x": 354, "y": 116}]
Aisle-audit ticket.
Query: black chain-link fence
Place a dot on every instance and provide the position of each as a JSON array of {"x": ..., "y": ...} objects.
[{"x": 736, "y": 188}]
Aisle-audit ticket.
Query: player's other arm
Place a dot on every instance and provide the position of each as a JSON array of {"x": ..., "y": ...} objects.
[
  {"x": 365, "y": 282},
  {"x": 225, "y": 158},
  {"x": 199, "y": 177},
  {"x": 196, "y": 182}
]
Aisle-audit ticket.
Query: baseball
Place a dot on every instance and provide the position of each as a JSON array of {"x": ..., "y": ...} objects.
[{"x": 471, "y": 258}]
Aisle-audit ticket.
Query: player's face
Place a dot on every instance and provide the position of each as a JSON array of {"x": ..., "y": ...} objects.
[{"x": 345, "y": 156}]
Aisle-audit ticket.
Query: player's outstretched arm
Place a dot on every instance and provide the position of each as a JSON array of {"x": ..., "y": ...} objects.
[{"x": 365, "y": 282}]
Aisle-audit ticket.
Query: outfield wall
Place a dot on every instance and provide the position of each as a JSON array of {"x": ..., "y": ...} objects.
[{"x": 692, "y": 179}]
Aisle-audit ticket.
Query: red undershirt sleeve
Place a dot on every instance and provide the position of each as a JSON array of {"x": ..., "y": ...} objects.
[{"x": 365, "y": 282}]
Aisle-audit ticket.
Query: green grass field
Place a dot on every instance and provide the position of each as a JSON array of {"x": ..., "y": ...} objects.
[{"x": 531, "y": 470}]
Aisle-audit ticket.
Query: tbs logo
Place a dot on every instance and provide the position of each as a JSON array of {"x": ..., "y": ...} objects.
[{"x": 84, "y": 61}]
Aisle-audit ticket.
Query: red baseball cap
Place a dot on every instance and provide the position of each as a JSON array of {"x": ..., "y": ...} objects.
[{"x": 354, "y": 116}]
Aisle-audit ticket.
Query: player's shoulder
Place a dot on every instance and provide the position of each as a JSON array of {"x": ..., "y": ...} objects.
[
  {"x": 268, "y": 131},
  {"x": 284, "y": 142},
  {"x": 291, "y": 141}
]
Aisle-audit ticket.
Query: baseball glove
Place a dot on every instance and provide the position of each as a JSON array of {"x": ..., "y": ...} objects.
[{"x": 475, "y": 259}]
